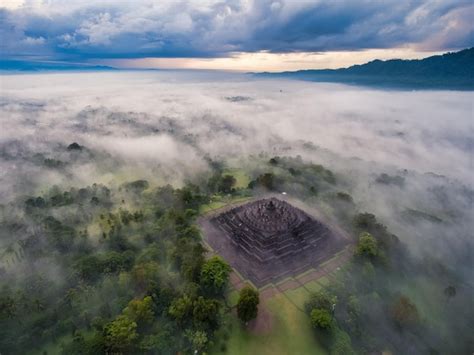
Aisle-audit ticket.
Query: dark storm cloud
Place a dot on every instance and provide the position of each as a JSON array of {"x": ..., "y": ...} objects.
[{"x": 111, "y": 29}]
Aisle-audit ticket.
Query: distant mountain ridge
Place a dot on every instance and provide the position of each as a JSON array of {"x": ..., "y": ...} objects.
[
  {"x": 27, "y": 66},
  {"x": 453, "y": 70}
]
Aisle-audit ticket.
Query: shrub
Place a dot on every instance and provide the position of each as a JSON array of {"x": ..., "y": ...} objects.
[
  {"x": 321, "y": 319},
  {"x": 367, "y": 245},
  {"x": 215, "y": 275},
  {"x": 247, "y": 306}
]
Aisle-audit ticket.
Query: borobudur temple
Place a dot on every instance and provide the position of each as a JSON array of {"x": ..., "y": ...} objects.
[{"x": 269, "y": 239}]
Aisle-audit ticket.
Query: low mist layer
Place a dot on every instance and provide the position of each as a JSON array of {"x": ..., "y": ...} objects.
[
  {"x": 405, "y": 156},
  {"x": 162, "y": 126}
]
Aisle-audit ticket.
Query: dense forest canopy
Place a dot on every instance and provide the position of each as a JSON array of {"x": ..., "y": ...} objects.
[{"x": 123, "y": 270}]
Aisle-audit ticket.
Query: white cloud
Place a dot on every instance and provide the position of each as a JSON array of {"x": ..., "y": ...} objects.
[
  {"x": 34, "y": 40},
  {"x": 424, "y": 131},
  {"x": 104, "y": 29}
]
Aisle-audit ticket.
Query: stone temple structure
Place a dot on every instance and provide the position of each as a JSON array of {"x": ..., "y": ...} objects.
[{"x": 269, "y": 239}]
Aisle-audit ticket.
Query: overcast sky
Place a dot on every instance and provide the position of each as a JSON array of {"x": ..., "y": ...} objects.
[{"x": 232, "y": 34}]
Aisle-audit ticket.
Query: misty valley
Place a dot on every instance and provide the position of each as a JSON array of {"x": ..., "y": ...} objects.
[{"x": 164, "y": 212}]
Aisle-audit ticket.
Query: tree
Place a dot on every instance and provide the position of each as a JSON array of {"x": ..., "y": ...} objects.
[
  {"x": 404, "y": 312},
  {"x": 227, "y": 183},
  {"x": 95, "y": 344},
  {"x": 365, "y": 221},
  {"x": 8, "y": 307},
  {"x": 181, "y": 309},
  {"x": 320, "y": 300},
  {"x": 137, "y": 186},
  {"x": 161, "y": 341},
  {"x": 351, "y": 320},
  {"x": 368, "y": 274},
  {"x": 267, "y": 180},
  {"x": 205, "y": 313},
  {"x": 320, "y": 319},
  {"x": 215, "y": 275},
  {"x": 449, "y": 292},
  {"x": 191, "y": 257},
  {"x": 120, "y": 334},
  {"x": 88, "y": 268},
  {"x": 114, "y": 262},
  {"x": 146, "y": 275},
  {"x": 74, "y": 146},
  {"x": 341, "y": 343},
  {"x": 191, "y": 197},
  {"x": 37, "y": 202},
  {"x": 344, "y": 196},
  {"x": 191, "y": 233},
  {"x": 367, "y": 245},
  {"x": 140, "y": 310},
  {"x": 198, "y": 339},
  {"x": 353, "y": 307},
  {"x": 59, "y": 235},
  {"x": 247, "y": 306},
  {"x": 274, "y": 160}
]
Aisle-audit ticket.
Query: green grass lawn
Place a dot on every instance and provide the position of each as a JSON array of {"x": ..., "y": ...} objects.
[
  {"x": 219, "y": 201},
  {"x": 290, "y": 333},
  {"x": 313, "y": 286},
  {"x": 323, "y": 281},
  {"x": 298, "y": 296},
  {"x": 212, "y": 206},
  {"x": 233, "y": 298},
  {"x": 429, "y": 299},
  {"x": 241, "y": 177}
]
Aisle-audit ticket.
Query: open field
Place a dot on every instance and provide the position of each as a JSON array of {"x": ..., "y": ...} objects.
[
  {"x": 286, "y": 331},
  {"x": 219, "y": 201},
  {"x": 241, "y": 177},
  {"x": 281, "y": 327}
]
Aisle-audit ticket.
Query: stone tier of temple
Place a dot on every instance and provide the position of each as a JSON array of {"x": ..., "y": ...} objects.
[{"x": 271, "y": 230}]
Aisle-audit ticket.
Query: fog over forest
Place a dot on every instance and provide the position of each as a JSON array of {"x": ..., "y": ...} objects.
[
  {"x": 143, "y": 116},
  {"x": 165, "y": 126},
  {"x": 161, "y": 125}
]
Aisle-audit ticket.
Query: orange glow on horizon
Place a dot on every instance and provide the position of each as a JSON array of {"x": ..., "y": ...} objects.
[{"x": 272, "y": 62}]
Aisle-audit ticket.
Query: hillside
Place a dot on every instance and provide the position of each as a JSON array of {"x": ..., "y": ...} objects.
[
  {"x": 31, "y": 66},
  {"x": 447, "y": 71}
]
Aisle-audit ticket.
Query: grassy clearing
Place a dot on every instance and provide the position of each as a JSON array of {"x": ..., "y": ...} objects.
[
  {"x": 241, "y": 177},
  {"x": 313, "y": 286},
  {"x": 291, "y": 333},
  {"x": 212, "y": 206},
  {"x": 233, "y": 298},
  {"x": 219, "y": 201},
  {"x": 298, "y": 296},
  {"x": 324, "y": 281},
  {"x": 427, "y": 296}
]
